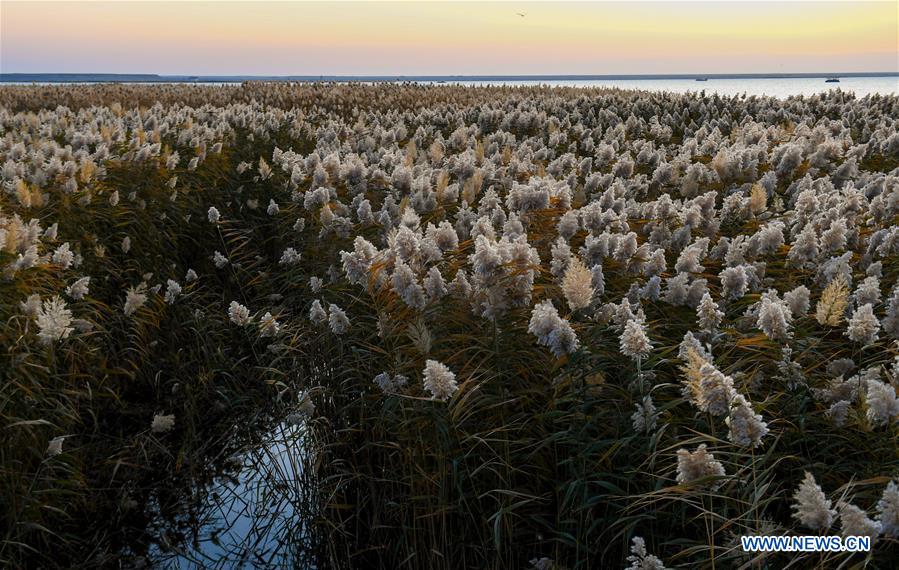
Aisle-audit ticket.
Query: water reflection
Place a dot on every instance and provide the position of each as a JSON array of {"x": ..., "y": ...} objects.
[{"x": 252, "y": 516}]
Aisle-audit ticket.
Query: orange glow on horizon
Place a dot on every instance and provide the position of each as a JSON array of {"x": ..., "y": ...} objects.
[{"x": 442, "y": 38}]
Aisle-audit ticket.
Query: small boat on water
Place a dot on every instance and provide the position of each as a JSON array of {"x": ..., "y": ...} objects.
[
  {"x": 832, "y": 80},
  {"x": 702, "y": 79}
]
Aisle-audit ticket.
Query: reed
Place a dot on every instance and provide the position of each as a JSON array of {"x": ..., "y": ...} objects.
[{"x": 453, "y": 326}]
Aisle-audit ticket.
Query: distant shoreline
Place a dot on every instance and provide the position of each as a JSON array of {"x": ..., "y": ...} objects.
[{"x": 153, "y": 78}]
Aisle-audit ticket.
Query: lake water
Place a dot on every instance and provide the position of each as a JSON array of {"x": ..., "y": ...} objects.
[
  {"x": 251, "y": 517},
  {"x": 777, "y": 87}
]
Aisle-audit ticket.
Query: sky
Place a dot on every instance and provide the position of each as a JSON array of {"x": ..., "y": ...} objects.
[{"x": 447, "y": 38}]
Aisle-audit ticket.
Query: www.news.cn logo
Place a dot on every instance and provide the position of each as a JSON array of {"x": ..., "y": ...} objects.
[{"x": 805, "y": 543}]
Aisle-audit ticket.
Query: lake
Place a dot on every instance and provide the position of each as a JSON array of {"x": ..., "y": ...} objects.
[
  {"x": 777, "y": 87},
  {"x": 781, "y": 87}
]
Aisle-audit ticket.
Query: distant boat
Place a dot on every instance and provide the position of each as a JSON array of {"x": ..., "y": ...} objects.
[
  {"x": 832, "y": 80},
  {"x": 702, "y": 79}
]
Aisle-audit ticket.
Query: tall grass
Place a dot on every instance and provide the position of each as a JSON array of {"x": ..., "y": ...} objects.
[{"x": 536, "y": 455}]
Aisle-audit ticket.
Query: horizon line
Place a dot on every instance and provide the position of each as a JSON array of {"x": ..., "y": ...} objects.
[{"x": 100, "y": 77}]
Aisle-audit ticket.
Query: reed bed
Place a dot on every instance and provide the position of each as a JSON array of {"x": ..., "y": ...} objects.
[{"x": 514, "y": 327}]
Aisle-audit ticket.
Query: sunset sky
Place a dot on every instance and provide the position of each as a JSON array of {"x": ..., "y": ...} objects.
[{"x": 436, "y": 38}]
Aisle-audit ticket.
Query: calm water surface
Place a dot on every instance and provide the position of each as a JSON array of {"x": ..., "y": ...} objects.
[
  {"x": 775, "y": 87},
  {"x": 252, "y": 516}
]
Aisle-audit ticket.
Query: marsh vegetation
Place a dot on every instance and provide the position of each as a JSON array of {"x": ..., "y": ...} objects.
[{"x": 446, "y": 326}]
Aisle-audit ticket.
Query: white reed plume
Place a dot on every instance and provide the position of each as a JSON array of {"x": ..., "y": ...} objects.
[
  {"x": 881, "y": 401},
  {"x": 641, "y": 559},
  {"x": 290, "y": 257},
  {"x": 715, "y": 390},
  {"x": 551, "y": 330},
  {"x": 54, "y": 448},
  {"x": 577, "y": 285},
  {"x": 317, "y": 313},
  {"x": 439, "y": 381},
  {"x": 269, "y": 326},
  {"x": 53, "y": 320},
  {"x": 162, "y": 423},
  {"x": 888, "y": 510},
  {"x": 337, "y": 320},
  {"x": 698, "y": 465},
  {"x": 172, "y": 290},
  {"x": 79, "y": 288},
  {"x": 774, "y": 317},
  {"x": 645, "y": 417},
  {"x": 219, "y": 260},
  {"x": 707, "y": 314},
  {"x": 239, "y": 314},
  {"x": 813, "y": 508},
  {"x": 634, "y": 342},
  {"x": 855, "y": 522},
  {"x": 63, "y": 256},
  {"x": 863, "y": 325},
  {"x": 746, "y": 426},
  {"x": 135, "y": 298},
  {"x": 390, "y": 385}
]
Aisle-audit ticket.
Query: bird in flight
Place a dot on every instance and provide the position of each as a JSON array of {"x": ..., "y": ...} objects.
[{"x": 519, "y": 14}]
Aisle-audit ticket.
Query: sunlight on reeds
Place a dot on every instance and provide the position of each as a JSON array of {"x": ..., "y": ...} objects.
[{"x": 506, "y": 327}]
